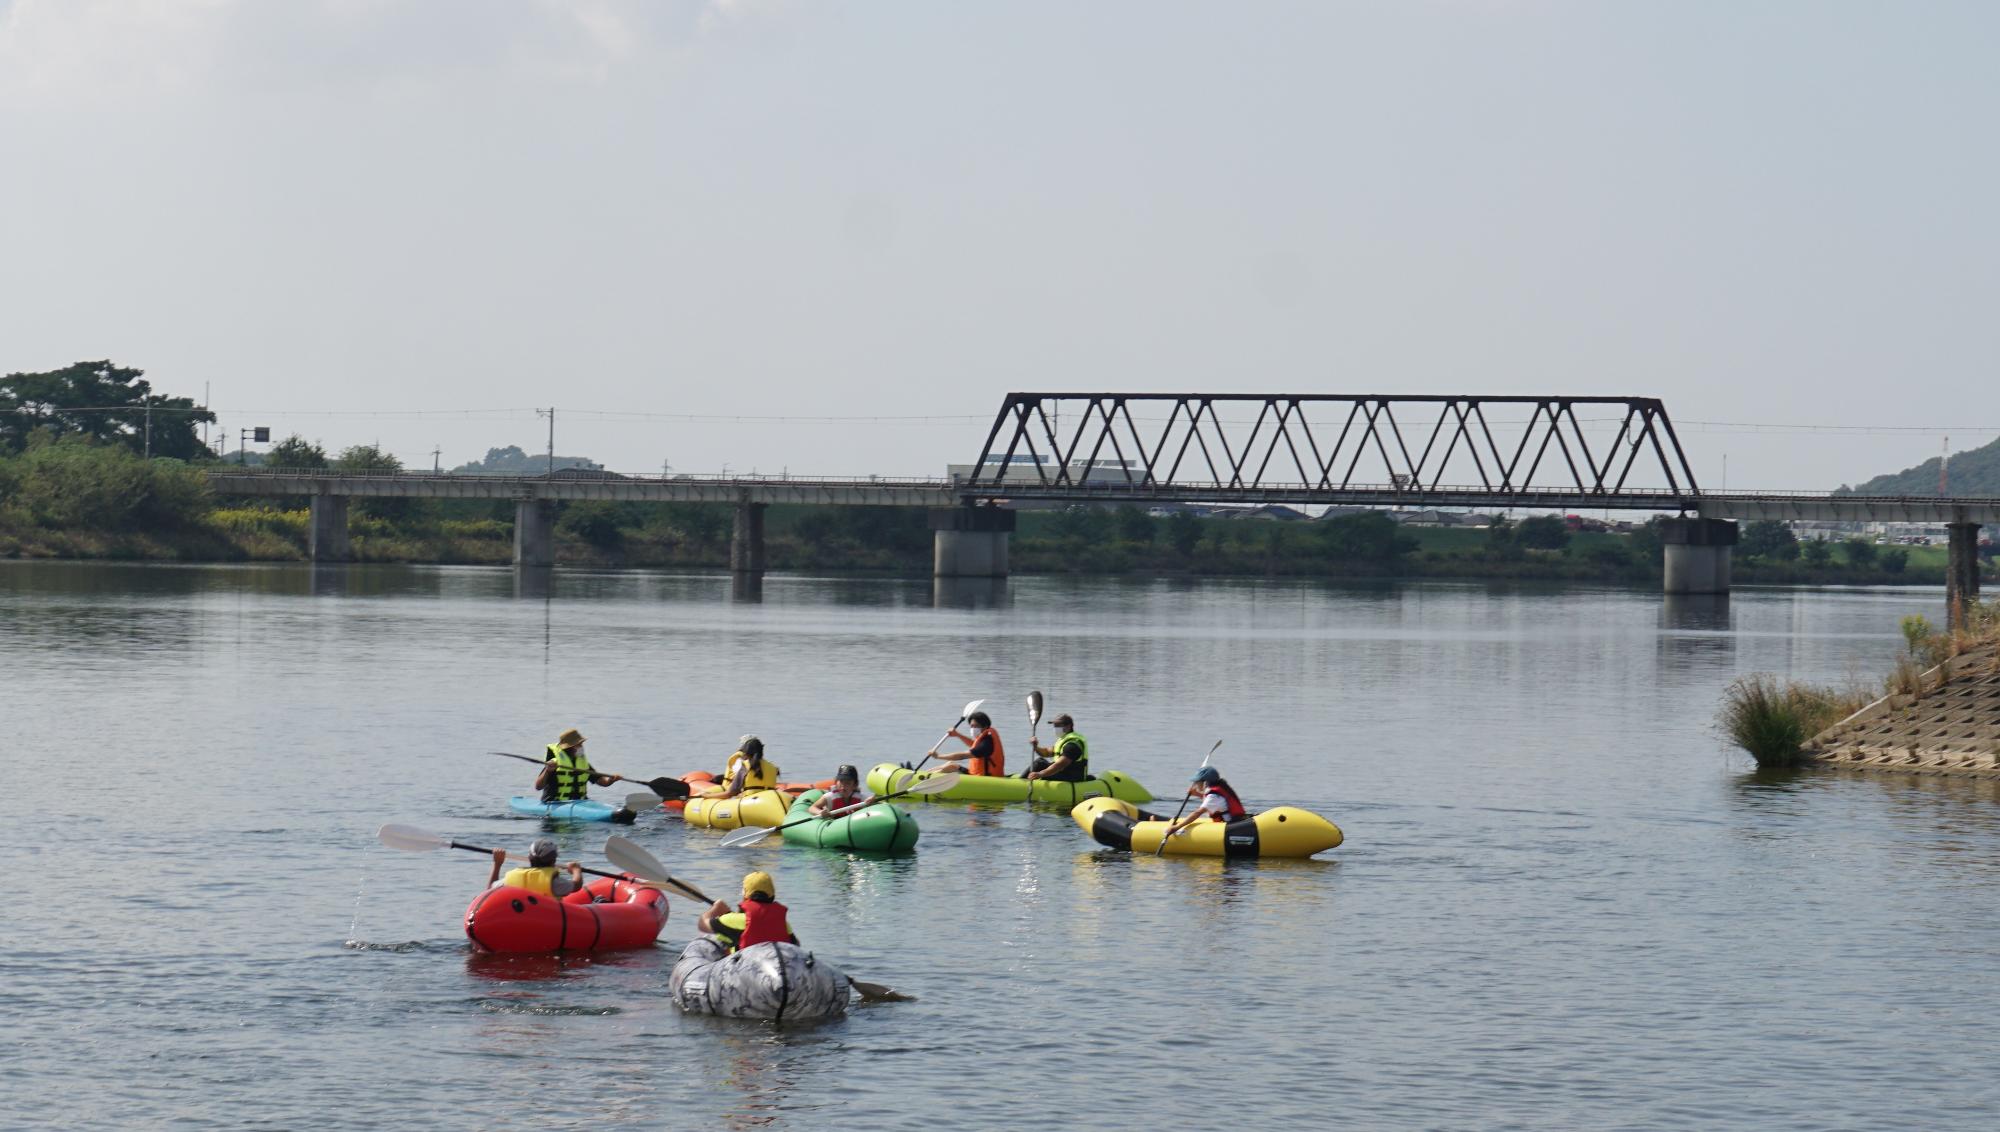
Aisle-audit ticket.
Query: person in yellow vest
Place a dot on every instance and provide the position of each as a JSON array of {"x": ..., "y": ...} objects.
[
  {"x": 566, "y": 774},
  {"x": 747, "y": 769},
  {"x": 1068, "y": 760},
  {"x": 541, "y": 875}
]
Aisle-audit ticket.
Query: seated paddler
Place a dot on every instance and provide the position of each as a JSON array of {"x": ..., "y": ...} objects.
[
  {"x": 759, "y": 919},
  {"x": 566, "y": 773},
  {"x": 541, "y": 874}
]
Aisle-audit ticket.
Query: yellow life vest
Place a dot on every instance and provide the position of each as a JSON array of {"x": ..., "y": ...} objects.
[
  {"x": 754, "y": 780},
  {"x": 540, "y": 880},
  {"x": 573, "y": 773}
]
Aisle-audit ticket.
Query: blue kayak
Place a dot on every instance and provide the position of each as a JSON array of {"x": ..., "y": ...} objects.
[{"x": 585, "y": 810}]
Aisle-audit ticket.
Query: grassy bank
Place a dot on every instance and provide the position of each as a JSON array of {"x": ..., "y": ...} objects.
[{"x": 1773, "y": 719}]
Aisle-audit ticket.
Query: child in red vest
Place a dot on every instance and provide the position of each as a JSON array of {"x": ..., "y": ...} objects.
[{"x": 759, "y": 919}]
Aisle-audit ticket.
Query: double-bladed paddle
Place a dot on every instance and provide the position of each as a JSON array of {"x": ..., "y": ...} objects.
[
  {"x": 416, "y": 840},
  {"x": 962, "y": 717},
  {"x": 663, "y": 786},
  {"x": 628, "y": 855},
  {"x": 751, "y": 834},
  {"x": 1161, "y": 851}
]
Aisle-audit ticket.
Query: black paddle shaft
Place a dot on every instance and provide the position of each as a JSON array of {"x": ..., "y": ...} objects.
[
  {"x": 672, "y": 789},
  {"x": 592, "y": 872}
]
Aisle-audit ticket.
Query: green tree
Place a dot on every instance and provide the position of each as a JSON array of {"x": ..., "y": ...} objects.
[
  {"x": 1133, "y": 524},
  {"x": 1368, "y": 536},
  {"x": 1543, "y": 532},
  {"x": 1860, "y": 553},
  {"x": 595, "y": 521},
  {"x": 1079, "y": 523},
  {"x": 1644, "y": 542},
  {"x": 295, "y": 451},
  {"x": 1769, "y": 538},
  {"x": 368, "y": 458},
  {"x": 1183, "y": 533},
  {"x": 1893, "y": 559},
  {"x": 703, "y": 524},
  {"x": 73, "y": 484},
  {"x": 1816, "y": 552},
  {"x": 103, "y": 402}
]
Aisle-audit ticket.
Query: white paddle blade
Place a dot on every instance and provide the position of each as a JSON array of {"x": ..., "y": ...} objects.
[
  {"x": 630, "y": 858},
  {"x": 936, "y": 783},
  {"x": 969, "y": 709},
  {"x": 1034, "y": 709},
  {"x": 411, "y": 838},
  {"x": 640, "y": 803},
  {"x": 749, "y": 834}
]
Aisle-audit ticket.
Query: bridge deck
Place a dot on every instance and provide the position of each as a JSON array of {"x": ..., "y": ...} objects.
[{"x": 941, "y": 492}]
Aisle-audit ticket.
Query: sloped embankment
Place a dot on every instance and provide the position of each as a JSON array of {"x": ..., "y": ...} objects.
[{"x": 1951, "y": 727}]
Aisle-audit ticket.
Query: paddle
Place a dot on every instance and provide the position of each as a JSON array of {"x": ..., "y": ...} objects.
[
  {"x": 1161, "y": 851},
  {"x": 663, "y": 786},
  {"x": 751, "y": 834},
  {"x": 416, "y": 840},
  {"x": 928, "y": 755},
  {"x": 640, "y": 803},
  {"x": 1034, "y": 718},
  {"x": 628, "y": 855}
]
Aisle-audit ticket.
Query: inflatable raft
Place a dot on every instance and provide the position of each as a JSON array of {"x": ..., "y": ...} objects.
[
  {"x": 515, "y": 920},
  {"x": 880, "y": 828},
  {"x": 777, "y": 982},
  {"x": 584, "y": 810},
  {"x": 752, "y": 807},
  {"x": 887, "y": 778},
  {"x": 701, "y": 780},
  {"x": 1282, "y": 832}
]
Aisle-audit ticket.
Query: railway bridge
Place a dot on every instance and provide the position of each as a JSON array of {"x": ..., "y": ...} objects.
[{"x": 1396, "y": 451}]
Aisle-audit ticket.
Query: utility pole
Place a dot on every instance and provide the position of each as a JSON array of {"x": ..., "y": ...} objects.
[
  {"x": 204, "y": 409},
  {"x": 551, "y": 470},
  {"x": 1944, "y": 462},
  {"x": 149, "y": 426},
  {"x": 437, "y": 459}
]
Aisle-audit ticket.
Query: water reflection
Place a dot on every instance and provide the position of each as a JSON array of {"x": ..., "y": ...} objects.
[
  {"x": 746, "y": 587},
  {"x": 1708, "y": 612},
  {"x": 971, "y": 593},
  {"x": 532, "y": 582}
]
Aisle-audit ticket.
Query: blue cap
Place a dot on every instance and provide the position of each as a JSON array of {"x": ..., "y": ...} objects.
[{"x": 1207, "y": 774}]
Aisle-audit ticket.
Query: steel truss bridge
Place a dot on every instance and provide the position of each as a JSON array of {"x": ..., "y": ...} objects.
[{"x": 1403, "y": 452}]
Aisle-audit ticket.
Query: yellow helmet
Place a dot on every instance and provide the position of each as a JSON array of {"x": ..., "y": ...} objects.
[{"x": 760, "y": 882}]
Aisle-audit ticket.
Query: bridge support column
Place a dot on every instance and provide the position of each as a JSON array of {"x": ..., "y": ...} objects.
[
  {"x": 970, "y": 542},
  {"x": 327, "y": 529},
  {"x": 1961, "y": 572},
  {"x": 534, "y": 532},
  {"x": 1697, "y": 555},
  {"x": 746, "y": 542}
]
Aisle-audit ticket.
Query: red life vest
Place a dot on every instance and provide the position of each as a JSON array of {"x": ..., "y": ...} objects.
[
  {"x": 763, "y": 922},
  {"x": 1228, "y": 793},
  {"x": 994, "y": 764}
]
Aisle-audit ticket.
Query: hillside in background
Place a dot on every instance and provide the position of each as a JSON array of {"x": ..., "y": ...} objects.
[
  {"x": 511, "y": 461},
  {"x": 1975, "y": 472}
]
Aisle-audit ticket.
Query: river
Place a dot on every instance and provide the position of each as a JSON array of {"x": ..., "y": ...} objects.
[{"x": 1564, "y": 901}]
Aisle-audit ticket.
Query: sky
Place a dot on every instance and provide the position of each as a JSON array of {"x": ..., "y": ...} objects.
[{"x": 412, "y": 223}]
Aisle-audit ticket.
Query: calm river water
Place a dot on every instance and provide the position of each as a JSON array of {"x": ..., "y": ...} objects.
[{"x": 1563, "y": 902}]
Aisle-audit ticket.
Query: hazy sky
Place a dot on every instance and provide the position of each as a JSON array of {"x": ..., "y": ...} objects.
[{"x": 1762, "y": 213}]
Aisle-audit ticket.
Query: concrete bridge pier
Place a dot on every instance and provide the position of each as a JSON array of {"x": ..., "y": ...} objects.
[
  {"x": 1697, "y": 555},
  {"x": 327, "y": 529},
  {"x": 746, "y": 542},
  {"x": 534, "y": 532},
  {"x": 970, "y": 542},
  {"x": 1961, "y": 572}
]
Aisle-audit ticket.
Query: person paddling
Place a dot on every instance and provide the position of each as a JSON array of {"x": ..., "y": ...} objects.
[
  {"x": 1218, "y": 801},
  {"x": 541, "y": 875},
  {"x": 1067, "y": 760},
  {"x": 984, "y": 754},
  {"x": 745, "y": 770},
  {"x": 566, "y": 773},
  {"x": 759, "y": 919},
  {"x": 846, "y": 793}
]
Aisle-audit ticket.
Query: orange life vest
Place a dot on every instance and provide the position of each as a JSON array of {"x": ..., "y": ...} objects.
[{"x": 994, "y": 764}]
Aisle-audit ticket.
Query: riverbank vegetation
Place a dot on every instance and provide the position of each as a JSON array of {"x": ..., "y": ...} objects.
[
  {"x": 1774, "y": 719},
  {"x": 73, "y": 495}
]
